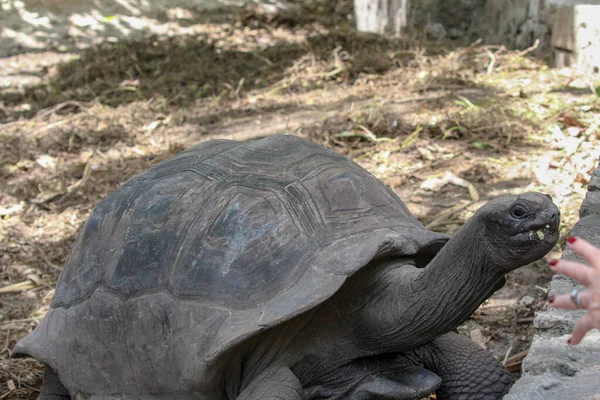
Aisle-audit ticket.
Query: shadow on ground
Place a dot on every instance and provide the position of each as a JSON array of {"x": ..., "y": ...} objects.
[{"x": 181, "y": 70}]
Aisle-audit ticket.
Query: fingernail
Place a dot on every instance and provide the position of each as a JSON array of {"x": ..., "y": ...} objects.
[
  {"x": 571, "y": 240},
  {"x": 553, "y": 263},
  {"x": 550, "y": 300},
  {"x": 569, "y": 341}
]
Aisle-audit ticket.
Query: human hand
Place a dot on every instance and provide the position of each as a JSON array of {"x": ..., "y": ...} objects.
[{"x": 589, "y": 276}]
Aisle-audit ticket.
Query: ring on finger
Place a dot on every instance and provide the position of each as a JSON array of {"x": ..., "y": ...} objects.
[{"x": 576, "y": 297}]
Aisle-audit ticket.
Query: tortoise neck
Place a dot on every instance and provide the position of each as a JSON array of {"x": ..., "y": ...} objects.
[
  {"x": 422, "y": 304},
  {"x": 454, "y": 283}
]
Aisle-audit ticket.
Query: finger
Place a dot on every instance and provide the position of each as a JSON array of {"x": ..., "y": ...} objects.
[
  {"x": 584, "y": 324},
  {"x": 578, "y": 271},
  {"x": 585, "y": 249},
  {"x": 565, "y": 301}
]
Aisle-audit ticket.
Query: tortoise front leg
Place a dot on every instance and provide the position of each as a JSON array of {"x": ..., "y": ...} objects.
[
  {"x": 52, "y": 388},
  {"x": 277, "y": 382},
  {"x": 467, "y": 370}
]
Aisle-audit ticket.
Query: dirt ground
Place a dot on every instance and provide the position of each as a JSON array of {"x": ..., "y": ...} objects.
[{"x": 446, "y": 128}]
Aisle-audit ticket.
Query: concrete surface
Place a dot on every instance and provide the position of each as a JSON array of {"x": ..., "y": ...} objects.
[
  {"x": 576, "y": 38},
  {"x": 514, "y": 23}
]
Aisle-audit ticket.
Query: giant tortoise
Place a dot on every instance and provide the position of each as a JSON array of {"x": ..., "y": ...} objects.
[{"x": 277, "y": 269}]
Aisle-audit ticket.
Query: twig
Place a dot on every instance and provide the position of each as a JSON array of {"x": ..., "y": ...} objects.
[
  {"x": 430, "y": 164},
  {"x": 46, "y": 259},
  {"x": 265, "y": 59},
  {"x": 507, "y": 354},
  {"x": 18, "y": 379},
  {"x": 57, "y": 107},
  {"x": 488, "y": 127},
  {"x": 57, "y": 124},
  {"x": 542, "y": 289},
  {"x": 422, "y": 98},
  {"x": 87, "y": 170},
  {"x": 447, "y": 214},
  {"x": 412, "y": 138},
  {"x": 517, "y": 356},
  {"x": 18, "y": 321},
  {"x": 529, "y": 49},
  {"x": 5, "y": 348},
  {"x": 490, "y": 67},
  {"x": 18, "y": 287},
  {"x": 122, "y": 89},
  {"x": 475, "y": 43},
  {"x": 514, "y": 367},
  {"x": 327, "y": 74},
  {"x": 239, "y": 87}
]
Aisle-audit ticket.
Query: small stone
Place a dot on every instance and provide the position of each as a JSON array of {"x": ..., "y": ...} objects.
[
  {"x": 436, "y": 30},
  {"x": 527, "y": 301}
]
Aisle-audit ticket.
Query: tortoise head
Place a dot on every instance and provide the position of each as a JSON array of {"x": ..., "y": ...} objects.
[{"x": 519, "y": 229}]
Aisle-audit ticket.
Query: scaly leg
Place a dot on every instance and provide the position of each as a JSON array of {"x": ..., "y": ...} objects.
[
  {"x": 52, "y": 388},
  {"x": 467, "y": 370}
]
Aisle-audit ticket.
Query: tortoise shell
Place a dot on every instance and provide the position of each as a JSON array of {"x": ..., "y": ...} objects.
[{"x": 207, "y": 249}]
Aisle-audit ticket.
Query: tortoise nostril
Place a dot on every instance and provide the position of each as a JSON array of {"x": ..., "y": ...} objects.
[
  {"x": 548, "y": 196},
  {"x": 555, "y": 216}
]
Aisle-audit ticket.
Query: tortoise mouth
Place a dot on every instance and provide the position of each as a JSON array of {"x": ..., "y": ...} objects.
[{"x": 540, "y": 232}]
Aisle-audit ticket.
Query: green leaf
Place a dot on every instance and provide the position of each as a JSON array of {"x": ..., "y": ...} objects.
[
  {"x": 597, "y": 90},
  {"x": 481, "y": 145},
  {"x": 109, "y": 18}
]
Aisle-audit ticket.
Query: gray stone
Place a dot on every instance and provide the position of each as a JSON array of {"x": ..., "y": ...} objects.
[
  {"x": 556, "y": 322},
  {"x": 588, "y": 228},
  {"x": 554, "y": 370},
  {"x": 591, "y": 204},
  {"x": 527, "y": 300}
]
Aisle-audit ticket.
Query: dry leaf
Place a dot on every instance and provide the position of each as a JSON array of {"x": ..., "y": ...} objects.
[
  {"x": 426, "y": 153},
  {"x": 11, "y": 385},
  {"x": 570, "y": 121},
  {"x": 455, "y": 180},
  {"x": 478, "y": 338},
  {"x": 18, "y": 287},
  {"x": 514, "y": 367},
  {"x": 433, "y": 184}
]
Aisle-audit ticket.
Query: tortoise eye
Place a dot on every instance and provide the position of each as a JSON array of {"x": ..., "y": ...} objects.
[{"x": 519, "y": 212}]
